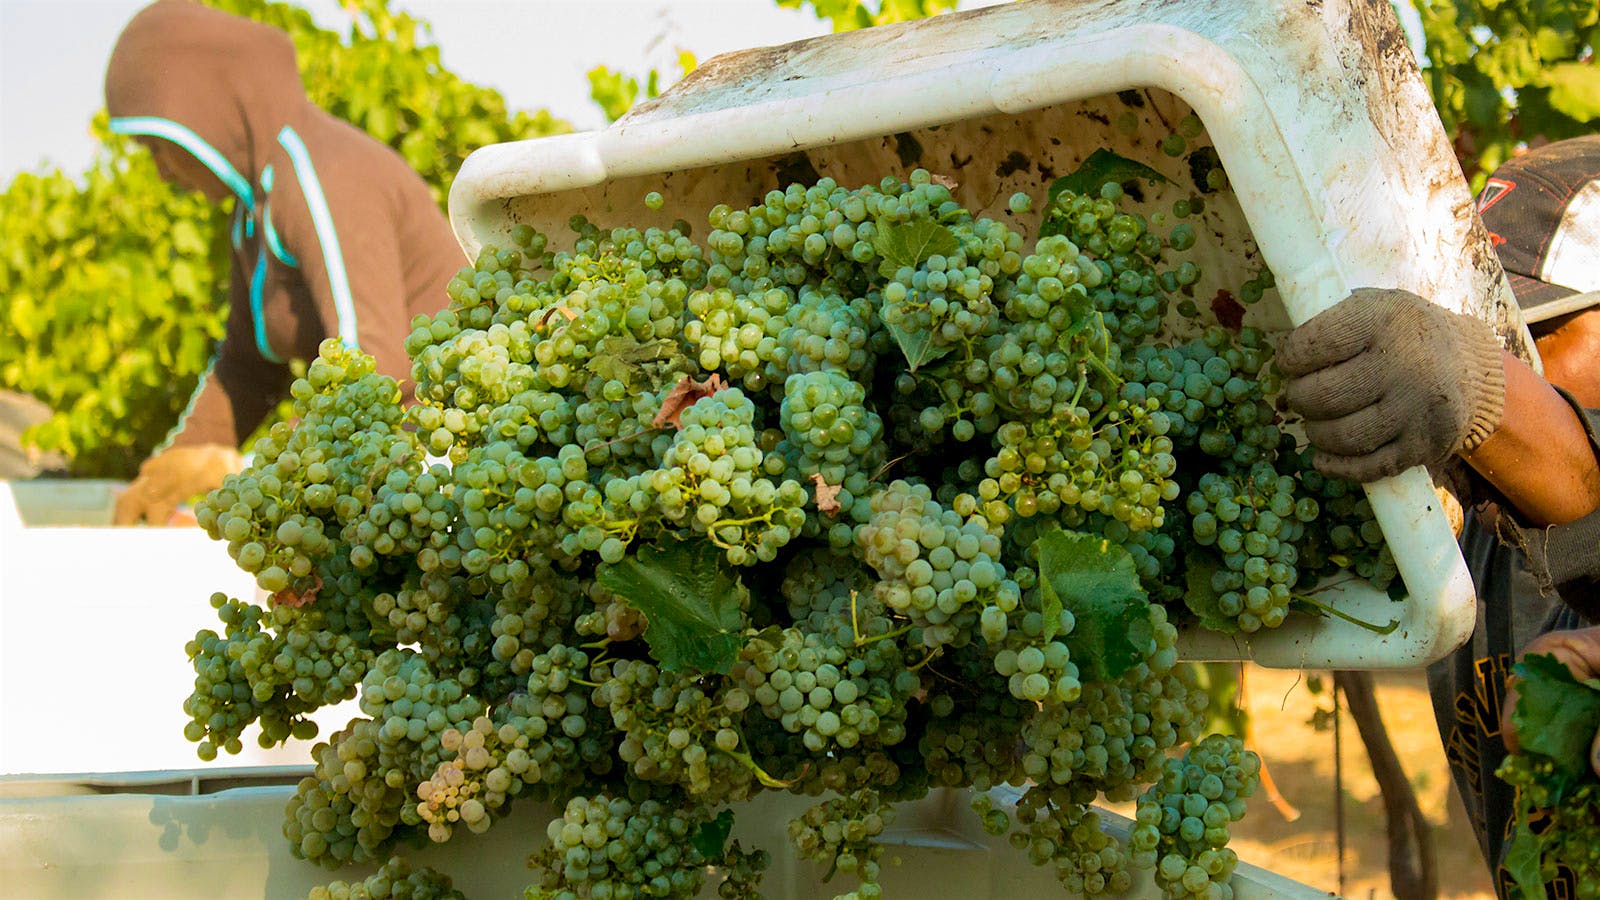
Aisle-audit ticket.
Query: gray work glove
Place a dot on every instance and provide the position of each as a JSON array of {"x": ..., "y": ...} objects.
[{"x": 1386, "y": 380}]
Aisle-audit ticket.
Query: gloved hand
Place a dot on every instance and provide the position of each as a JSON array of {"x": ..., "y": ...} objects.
[
  {"x": 1579, "y": 651},
  {"x": 171, "y": 477},
  {"x": 1386, "y": 381}
]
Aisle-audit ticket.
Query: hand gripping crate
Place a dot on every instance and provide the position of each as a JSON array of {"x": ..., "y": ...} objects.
[{"x": 1341, "y": 177}]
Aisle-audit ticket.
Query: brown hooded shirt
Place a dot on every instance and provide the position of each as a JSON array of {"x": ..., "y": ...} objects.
[{"x": 333, "y": 234}]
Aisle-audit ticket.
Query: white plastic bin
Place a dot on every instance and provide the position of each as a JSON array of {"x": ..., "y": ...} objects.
[
  {"x": 217, "y": 833},
  {"x": 1341, "y": 174},
  {"x": 95, "y": 617}
]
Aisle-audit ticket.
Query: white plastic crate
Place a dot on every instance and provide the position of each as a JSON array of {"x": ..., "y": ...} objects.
[
  {"x": 1342, "y": 177},
  {"x": 96, "y": 617},
  {"x": 217, "y": 833}
]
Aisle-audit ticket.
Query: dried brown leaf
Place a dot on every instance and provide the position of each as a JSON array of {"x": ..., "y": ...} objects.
[
  {"x": 685, "y": 394},
  {"x": 545, "y": 319},
  {"x": 288, "y": 596},
  {"x": 827, "y": 495}
]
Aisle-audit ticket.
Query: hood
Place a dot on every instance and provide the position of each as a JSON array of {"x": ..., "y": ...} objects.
[{"x": 218, "y": 85}]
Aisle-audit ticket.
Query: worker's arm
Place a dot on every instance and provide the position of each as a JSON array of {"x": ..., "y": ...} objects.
[
  {"x": 1540, "y": 457},
  {"x": 1387, "y": 381},
  {"x": 232, "y": 398}
]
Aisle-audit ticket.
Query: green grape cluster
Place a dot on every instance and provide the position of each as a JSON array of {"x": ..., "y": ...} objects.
[
  {"x": 840, "y": 835},
  {"x": 821, "y": 329},
  {"x": 607, "y": 846},
  {"x": 934, "y": 565},
  {"x": 570, "y": 738},
  {"x": 318, "y": 476},
  {"x": 1115, "y": 734},
  {"x": 1568, "y": 849},
  {"x": 958, "y": 745},
  {"x": 1057, "y": 831},
  {"x": 1215, "y": 391},
  {"x": 1347, "y": 534},
  {"x": 833, "y": 693},
  {"x": 1181, "y": 825},
  {"x": 394, "y": 880},
  {"x": 710, "y": 481},
  {"x": 1254, "y": 523},
  {"x": 1125, "y": 286},
  {"x": 829, "y": 433},
  {"x": 356, "y": 804},
  {"x": 252, "y": 674},
  {"x": 489, "y": 768},
  {"x": 1118, "y": 463},
  {"x": 673, "y": 732},
  {"x": 854, "y": 494}
]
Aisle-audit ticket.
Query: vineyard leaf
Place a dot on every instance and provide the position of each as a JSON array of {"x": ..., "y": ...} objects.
[
  {"x": 685, "y": 394},
  {"x": 712, "y": 838},
  {"x": 693, "y": 605},
  {"x": 624, "y": 358},
  {"x": 913, "y": 333},
  {"x": 1574, "y": 89},
  {"x": 1556, "y": 716},
  {"x": 909, "y": 243},
  {"x": 1103, "y": 166},
  {"x": 186, "y": 238},
  {"x": 1095, "y": 580},
  {"x": 1522, "y": 861}
]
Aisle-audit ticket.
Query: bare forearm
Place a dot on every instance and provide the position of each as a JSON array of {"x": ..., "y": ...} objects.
[{"x": 1539, "y": 457}]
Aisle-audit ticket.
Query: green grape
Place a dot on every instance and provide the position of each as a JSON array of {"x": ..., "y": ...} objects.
[
  {"x": 868, "y": 407},
  {"x": 394, "y": 879}
]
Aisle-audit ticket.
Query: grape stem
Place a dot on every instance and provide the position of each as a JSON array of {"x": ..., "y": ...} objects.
[
  {"x": 855, "y": 627},
  {"x": 1321, "y": 608},
  {"x": 766, "y": 779}
]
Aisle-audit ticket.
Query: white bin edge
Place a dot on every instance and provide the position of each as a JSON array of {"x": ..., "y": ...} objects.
[
  {"x": 1339, "y": 192},
  {"x": 215, "y": 833}
]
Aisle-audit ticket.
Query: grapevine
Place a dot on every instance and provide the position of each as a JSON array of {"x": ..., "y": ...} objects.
[{"x": 1557, "y": 818}]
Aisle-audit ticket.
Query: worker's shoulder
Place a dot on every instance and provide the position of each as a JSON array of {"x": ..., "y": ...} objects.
[{"x": 351, "y": 167}]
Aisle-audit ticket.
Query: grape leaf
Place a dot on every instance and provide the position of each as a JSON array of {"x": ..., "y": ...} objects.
[
  {"x": 712, "y": 838},
  {"x": 1522, "y": 861},
  {"x": 913, "y": 333},
  {"x": 909, "y": 243},
  {"x": 1103, "y": 166},
  {"x": 1095, "y": 580},
  {"x": 1201, "y": 596},
  {"x": 625, "y": 359},
  {"x": 1574, "y": 89},
  {"x": 692, "y": 604},
  {"x": 1556, "y": 716}
]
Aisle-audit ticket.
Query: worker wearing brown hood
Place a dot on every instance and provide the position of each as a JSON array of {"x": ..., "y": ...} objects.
[{"x": 332, "y": 233}]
